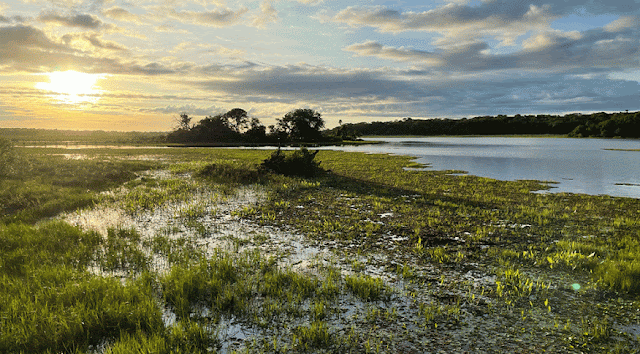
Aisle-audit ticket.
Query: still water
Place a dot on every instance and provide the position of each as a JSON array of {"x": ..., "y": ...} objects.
[{"x": 577, "y": 165}]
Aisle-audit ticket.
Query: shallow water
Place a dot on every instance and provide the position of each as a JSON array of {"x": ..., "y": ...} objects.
[{"x": 589, "y": 166}]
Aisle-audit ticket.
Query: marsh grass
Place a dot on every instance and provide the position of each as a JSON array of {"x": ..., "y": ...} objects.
[
  {"x": 368, "y": 288},
  {"x": 468, "y": 263}
]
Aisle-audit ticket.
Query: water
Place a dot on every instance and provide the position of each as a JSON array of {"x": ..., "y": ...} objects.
[{"x": 586, "y": 166}]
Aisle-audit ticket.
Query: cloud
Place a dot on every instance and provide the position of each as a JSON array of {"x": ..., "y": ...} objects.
[
  {"x": 81, "y": 20},
  {"x": 17, "y": 37},
  {"x": 120, "y": 14},
  {"x": 57, "y": 3},
  {"x": 218, "y": 50},
  {"x": 93, "y": 40},
  {"x": 170, "y": 29},
  {"x": 310, "y": 2},
  {"x": 268, "y": 14},
  {"x": 454, "y": 21},
  {"x": 374, "y": 49},
  {"x": 609, "y": 48},
  {"x": 25, "y": 48},
  {"x": 623, "y": 23},
  {"x": 12, "y": 19},
  {"x": 221, "y": 17},
  {"x": 190, "y": 109},
  {"x": 294, "y": 83},
  {"x": 102, "y": 44}
]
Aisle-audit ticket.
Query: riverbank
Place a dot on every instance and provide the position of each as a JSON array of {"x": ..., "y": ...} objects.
[{"x": 367, "y": 257}]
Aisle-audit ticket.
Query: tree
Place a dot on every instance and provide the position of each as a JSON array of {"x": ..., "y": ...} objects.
[
  {"x": 184, "y": 122},
  {"x": 237, "y": 120},
  {"x": 214, "y": 129},
  {"x": 257, "y": 131},
  {"x": 301, "y": 125}
]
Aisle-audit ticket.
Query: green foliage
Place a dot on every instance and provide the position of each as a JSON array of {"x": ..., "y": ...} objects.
[
  {"x": 47, "y": 186},
  {"x": 51, "y": 303},
  {"x": 40, "y": 137},
  {"x": 7, "y": 157},
  {"x": 232, "y": 127},
  {"x": 315, "y": 335},
  {"x": 184, "y": 337},
  {"x": 368, "y": 288},
  {"x": 367, "y": 207},
  {"x": 57, "y": 309},
  {"x": 226, "y": 173},
  {"x": 621, "y": 275},
  {"x": 121, "y": 252},
  {"x": 621, "y": 124},
  {"x": 24, "y": 247},
  {"x": 299, "y": 163},
  {"x": 301, "y": 125},
  {"x": 512, "y": 283}
]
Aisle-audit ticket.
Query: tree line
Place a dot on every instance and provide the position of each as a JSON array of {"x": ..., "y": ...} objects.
[
  {"x": 621, "y": 124},
  {"x": 235, "y": 126}
]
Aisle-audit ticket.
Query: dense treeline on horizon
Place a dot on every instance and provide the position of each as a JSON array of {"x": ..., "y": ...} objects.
[
  {"x": 36, "y": 136},
  {"x": 621, "y": 124},
  {"x": 304, "y": 125}
]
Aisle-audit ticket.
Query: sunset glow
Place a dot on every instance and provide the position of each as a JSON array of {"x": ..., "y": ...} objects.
[
  {"x": 71, "y": 87},
  {"x": 353, "y": 61}
]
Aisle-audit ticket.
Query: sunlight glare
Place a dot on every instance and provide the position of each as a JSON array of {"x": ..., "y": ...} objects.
[{"x": 72, "y": 87}]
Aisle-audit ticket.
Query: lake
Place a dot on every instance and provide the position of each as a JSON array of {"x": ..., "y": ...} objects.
[{"x": 587, "y": 166}]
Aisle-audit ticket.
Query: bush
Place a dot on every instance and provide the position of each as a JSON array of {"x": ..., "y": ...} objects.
[{"x": 299, "y": 163}]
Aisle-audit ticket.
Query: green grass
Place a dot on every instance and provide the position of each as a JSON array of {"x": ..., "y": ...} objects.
[
  {"x": 368, "y": 288},
  {"x": 463, "y": 258}
]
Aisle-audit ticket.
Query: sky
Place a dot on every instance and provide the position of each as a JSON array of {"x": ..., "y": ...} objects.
[{"x": 138, "y": 64}]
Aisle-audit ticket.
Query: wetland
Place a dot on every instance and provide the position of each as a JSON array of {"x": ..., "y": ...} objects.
[
  {"x": 199, "y": 250},
  {"x": 592, "y": 166}
]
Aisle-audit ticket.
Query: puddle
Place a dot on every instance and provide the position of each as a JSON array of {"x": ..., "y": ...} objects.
[{"x": 632, "y": 330}]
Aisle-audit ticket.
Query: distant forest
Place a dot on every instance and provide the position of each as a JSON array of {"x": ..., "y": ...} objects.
[
  {"x": 35, "y": 136},
  {"x": 622, "y": 124}
]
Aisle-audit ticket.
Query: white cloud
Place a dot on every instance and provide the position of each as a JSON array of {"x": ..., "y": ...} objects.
[
  {"x": 268, "y": 14},
  {"x": 455, "y": 22},
  {"x": 92, "y": 42},
  {"x": 550, "y": 38},
  {"x": 120, "y": 14},
  {"x": 371, "y": 48},
  {"x": 623, "y": 23},
  {"x": 220, "y": 17}
]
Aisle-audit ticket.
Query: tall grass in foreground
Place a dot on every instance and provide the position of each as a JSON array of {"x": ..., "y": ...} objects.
[{"x": 52, "y": 303}]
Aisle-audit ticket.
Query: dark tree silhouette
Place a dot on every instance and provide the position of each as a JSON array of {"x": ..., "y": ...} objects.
[
  {"x": 301, "y": 125},
  {"x": 184, "y": 121},
  {"x": 214, "y": 129},
  {"x": 257, "y": 131},
  {"x": 237, "y": 120}
]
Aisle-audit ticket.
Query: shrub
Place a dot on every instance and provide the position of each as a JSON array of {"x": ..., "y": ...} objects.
[{"x": 299, "y": 163}]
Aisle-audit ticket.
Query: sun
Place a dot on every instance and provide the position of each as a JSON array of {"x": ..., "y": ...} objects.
[{"x": 71, "y": 86}]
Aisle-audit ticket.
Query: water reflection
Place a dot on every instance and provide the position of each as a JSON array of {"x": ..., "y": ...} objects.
[{"x": 577, "y": 165}]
